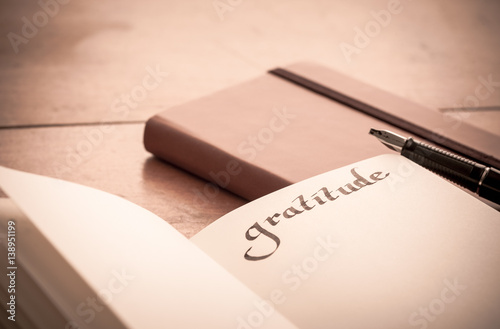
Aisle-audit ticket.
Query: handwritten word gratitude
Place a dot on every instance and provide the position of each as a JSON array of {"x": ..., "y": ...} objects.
[{"x": 300, "y": 205}]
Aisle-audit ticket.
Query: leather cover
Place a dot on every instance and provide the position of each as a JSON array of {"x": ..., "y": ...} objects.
[{"x": 264, "y": 134}]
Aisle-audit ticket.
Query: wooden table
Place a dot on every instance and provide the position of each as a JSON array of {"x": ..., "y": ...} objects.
[{"x": 68, "y": 68}]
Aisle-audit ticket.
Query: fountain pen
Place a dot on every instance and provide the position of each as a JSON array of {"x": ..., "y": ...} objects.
[{"x": 480, "y": 179}]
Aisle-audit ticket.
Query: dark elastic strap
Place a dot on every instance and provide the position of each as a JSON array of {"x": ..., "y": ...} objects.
[{"x": 389, "y": 118}]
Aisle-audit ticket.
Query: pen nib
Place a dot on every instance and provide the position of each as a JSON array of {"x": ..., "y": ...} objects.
[{"x": 389, "y": 139}]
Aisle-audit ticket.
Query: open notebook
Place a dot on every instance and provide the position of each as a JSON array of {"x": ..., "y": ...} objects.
[{"x": 380, "y": 243}]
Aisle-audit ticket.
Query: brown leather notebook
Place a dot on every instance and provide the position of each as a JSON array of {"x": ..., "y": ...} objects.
[{"x": 293, "y": 123}]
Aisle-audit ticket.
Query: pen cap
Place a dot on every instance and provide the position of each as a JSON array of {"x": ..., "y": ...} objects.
[{"x": 490, "y": 186}]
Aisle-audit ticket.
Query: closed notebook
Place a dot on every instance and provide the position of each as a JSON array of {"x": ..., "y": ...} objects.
[{"x": 294, "y": 123}]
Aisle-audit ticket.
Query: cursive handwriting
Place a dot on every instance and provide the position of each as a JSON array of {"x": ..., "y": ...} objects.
[{"x": 300, "y": 205}]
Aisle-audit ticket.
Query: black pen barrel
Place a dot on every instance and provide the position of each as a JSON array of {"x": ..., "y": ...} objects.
[
  {"x": 490, "y": 185},
  {"x": 459, "y": 170}
]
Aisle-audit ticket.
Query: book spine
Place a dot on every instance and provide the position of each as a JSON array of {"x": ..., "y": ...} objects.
[{"x": 184, "y": 150}]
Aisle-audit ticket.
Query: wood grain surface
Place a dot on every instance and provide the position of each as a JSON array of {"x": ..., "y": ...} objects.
[{"x": 68, "y": 67}]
